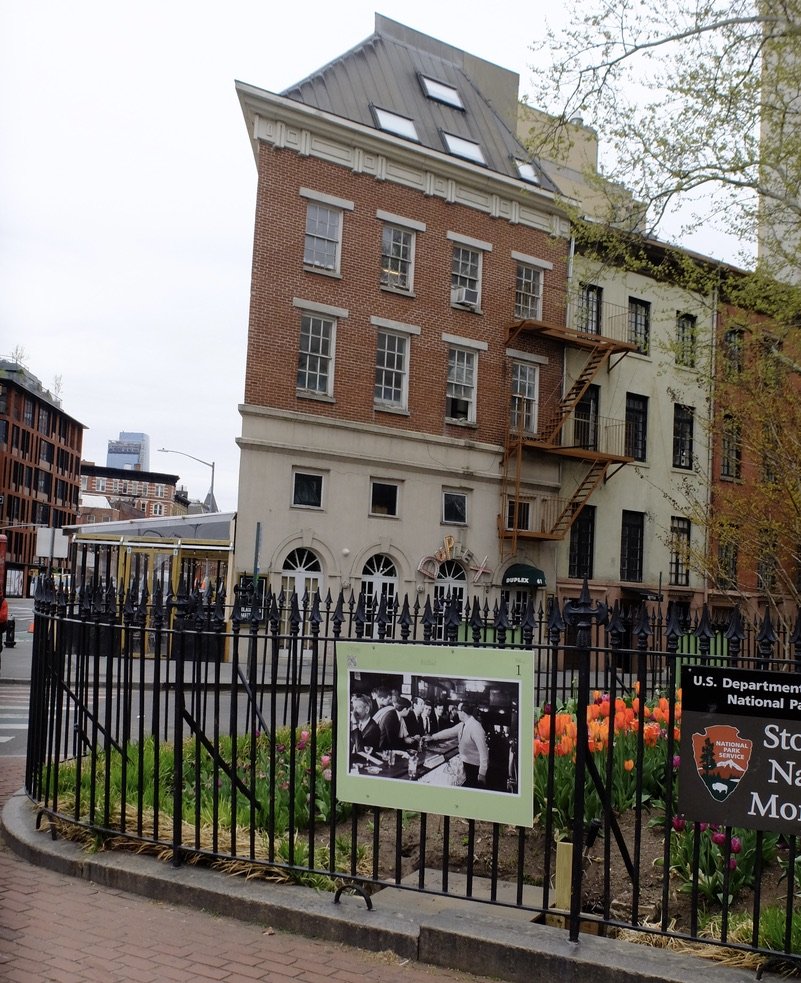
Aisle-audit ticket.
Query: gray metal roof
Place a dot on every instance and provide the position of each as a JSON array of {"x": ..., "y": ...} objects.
[{"x": 384, "y": 71}]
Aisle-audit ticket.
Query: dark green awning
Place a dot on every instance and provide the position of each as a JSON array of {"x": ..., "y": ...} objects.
[{"x": 523, "y": 575}]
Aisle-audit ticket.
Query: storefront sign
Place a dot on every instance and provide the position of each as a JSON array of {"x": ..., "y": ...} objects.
[{"x": 741, "y": 748}]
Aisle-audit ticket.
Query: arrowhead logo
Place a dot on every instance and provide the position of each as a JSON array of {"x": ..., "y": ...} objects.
[{"x": 721, "y": 759}]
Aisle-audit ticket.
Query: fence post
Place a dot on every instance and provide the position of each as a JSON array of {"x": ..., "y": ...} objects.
[{"x": 581, "y": 613}]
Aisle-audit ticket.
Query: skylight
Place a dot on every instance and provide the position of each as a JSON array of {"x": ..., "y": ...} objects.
[
  {"x": 441, "y": 92},
  {"x": 393, "y": 123},
  {"x": 464, "y": 148},
  {"x": 527, "y": 171}
]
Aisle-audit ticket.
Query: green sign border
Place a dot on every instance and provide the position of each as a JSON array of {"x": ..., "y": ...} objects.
[{"x": 516, "y": 809}]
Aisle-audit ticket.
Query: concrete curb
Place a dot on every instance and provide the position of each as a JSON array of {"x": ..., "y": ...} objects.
[{"x": 470, "y": 941}]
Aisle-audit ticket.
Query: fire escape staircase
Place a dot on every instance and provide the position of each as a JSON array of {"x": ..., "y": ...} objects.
[{"x": 549, "y": 440}]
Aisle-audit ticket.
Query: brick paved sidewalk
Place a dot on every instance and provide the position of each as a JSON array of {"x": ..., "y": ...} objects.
[{"x": 63, "y": 929}]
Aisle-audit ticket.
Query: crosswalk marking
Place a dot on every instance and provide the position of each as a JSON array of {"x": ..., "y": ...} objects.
[{"x": 13, "y": 711}]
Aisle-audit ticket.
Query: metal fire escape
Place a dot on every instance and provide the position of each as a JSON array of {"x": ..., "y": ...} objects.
[{"x": 567, "y": 428}]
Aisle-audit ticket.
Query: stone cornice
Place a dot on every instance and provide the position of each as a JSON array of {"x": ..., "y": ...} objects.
[{"x": 287, "y": 124}]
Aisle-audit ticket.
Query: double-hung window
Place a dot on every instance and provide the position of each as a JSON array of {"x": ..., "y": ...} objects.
[
  {"x": 323, "y": 231},
  {"x": 640, "y": 325},
  {"x": 398, "y": 241},
  {"x": 632, "y": 540},
  {"x": 391, "y": 370},
  {"x": 679, "y": 551},
  {"x": 525, "y": 388},
  {"x": 393, "y": 340},
  {"x": 397, "y": 258},
  {"x": 322, "y": 245},
  {"x": 528, "y": 292},
  {"x": 683, "y": 425},
  {"x": 466, "y": 276},
  {"x": 316, "y": 355},
  {"x": 467, "y": 260},
  {"x": 461, "y": 391},
  {"x": 636, "y": 426}
]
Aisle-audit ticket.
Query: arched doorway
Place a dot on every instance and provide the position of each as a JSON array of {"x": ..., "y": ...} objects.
[
  {"x": 379, "y": 580},
  {"x": 450, "y": 584}
]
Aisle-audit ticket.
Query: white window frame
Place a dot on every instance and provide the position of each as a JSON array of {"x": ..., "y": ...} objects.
[
  {"x": 455, "y": 493},
  {"x": 525, "y": 405},
  {"x": 391, "y": 277},
  {"x": 462, "y": 383},
  {"x": 157, "y": 508},
  {"x": 464, "y": 350},
  {"x": 390, "y": 484},
  {"x": 317, "y": 200},
  {"x": 518, "y": 514},
  {"x": 307, "y": 473},
  {"x": 386, "y": 371},
  {"x": 532, "y": 277},
  {"x": 307, "y": 319}
]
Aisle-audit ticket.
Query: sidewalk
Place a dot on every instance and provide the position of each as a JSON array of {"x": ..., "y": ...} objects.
[
  {"x": 70, "y": 929},
  {"x": 72, "y": 916}
]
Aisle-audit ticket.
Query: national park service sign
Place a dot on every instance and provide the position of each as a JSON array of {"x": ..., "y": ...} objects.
[
  {"x": 741, "y": 748},
  {"x": 721, "y": 759}
]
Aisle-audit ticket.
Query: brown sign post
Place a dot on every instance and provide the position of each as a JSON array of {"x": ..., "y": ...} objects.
[{"x": 741, "y": 748}]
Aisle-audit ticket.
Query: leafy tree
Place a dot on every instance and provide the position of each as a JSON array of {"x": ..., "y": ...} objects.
[
  {"x": 685, "y": 111},
  {"x": 698, "y": 107}
]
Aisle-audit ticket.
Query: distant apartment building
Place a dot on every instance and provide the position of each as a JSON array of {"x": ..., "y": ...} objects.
[{"x": 40, "y": 457}]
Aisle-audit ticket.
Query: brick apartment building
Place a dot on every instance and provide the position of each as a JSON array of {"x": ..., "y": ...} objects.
[
  {"x": 110, "y": 494},
  {"x": 40, "y": 453},
  {"x": 407, "y": 329}
]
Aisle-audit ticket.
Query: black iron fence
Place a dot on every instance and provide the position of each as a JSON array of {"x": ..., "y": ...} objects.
[{"x": 172, "y": 720}]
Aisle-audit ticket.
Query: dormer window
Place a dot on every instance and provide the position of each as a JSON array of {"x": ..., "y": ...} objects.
[
  {"x": 392, "y": 123},
  {"x": 527, "y": 172},
  {"x": 460, "y": 147},
  {"x": 441, "y": 92}
]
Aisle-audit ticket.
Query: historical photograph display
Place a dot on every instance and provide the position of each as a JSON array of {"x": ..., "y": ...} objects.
[{"x": 431, "y": 729}]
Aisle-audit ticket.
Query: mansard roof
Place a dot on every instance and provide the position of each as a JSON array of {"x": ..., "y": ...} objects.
[{"x": 384, "y": 83}]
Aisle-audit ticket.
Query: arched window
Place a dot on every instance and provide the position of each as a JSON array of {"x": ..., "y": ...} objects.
[{"x": 301, "y": 573}]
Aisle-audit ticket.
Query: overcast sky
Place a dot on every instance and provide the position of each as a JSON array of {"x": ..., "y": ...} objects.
[{"x": 127, "y": 189}]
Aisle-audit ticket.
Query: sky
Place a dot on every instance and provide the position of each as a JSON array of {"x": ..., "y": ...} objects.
[{"x": 127, "y": 192}]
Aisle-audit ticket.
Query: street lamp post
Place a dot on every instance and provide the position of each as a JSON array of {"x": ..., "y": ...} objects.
[{"x": 209, "y": 464}]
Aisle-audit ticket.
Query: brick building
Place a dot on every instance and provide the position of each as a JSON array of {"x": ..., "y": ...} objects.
[
  {"x": 407, "y": 320},
  {"x": 114, "y": 494},
  {"x": 40, "y": 453}
]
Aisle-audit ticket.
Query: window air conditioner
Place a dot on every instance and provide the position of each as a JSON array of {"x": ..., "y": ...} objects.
[{"x": 464, "y": 297}]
